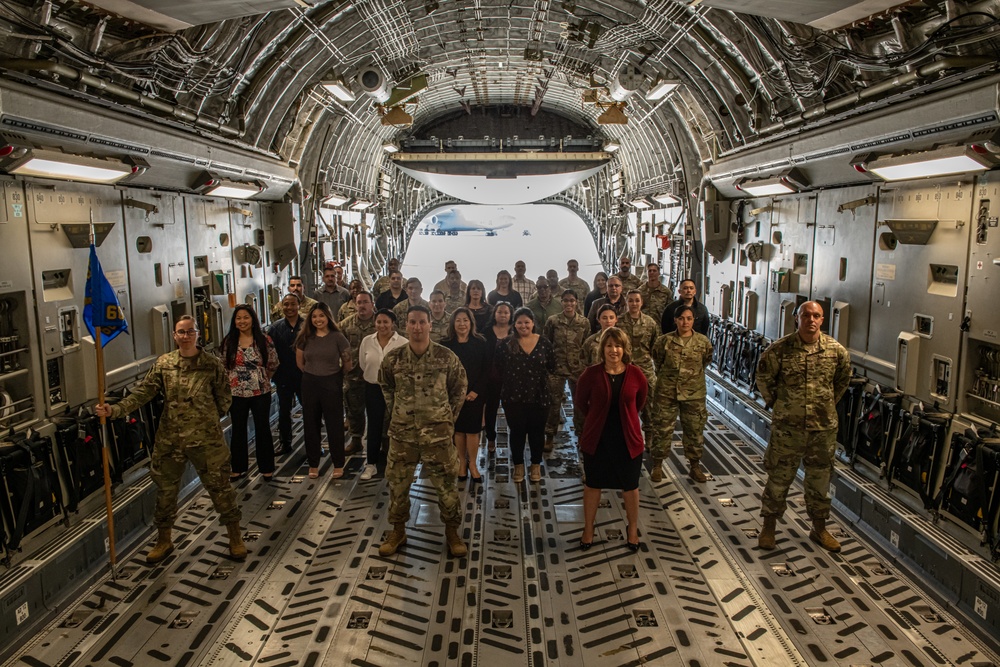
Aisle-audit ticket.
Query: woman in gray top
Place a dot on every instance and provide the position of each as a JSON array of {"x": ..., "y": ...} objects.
[{"x": 324, "y": 355}]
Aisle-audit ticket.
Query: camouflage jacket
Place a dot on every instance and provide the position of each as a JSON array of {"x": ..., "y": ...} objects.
[
  {"x": 346, "y": 310},
  {"x": 381, "y": 285},
  {"x": 439, "y": 328},
  {"x": 400, "y": 310},
  {"x": 655, "y": 299},
  {"x": 453, "y": 301},
  {"x": 802, "y": 386},
  {"x": 680, "y": 368},
  {"x": 543, "y": 313},
  {"x": 355, "y": 332},
  {"x": 631, "y": 282},
  {"x": 195, "y": 394},
  {"x": 590, "y": 348},
  {"x": 423, "y": 395},
  {"x": 567, "y": 338},
  {"x": 578, "y": 285},
  {"x": 642, "y": 333}
]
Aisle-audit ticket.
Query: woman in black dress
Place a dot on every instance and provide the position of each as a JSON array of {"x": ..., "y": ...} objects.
[
  {"x": 496, "y": 333},
  {"x": 527, "y": 360},
  {"x": 475, "y": 300},
  {"x": 609, "y": 396},
  {"x": 505, "y": 292},
  {"x": 475, "y": 354}
]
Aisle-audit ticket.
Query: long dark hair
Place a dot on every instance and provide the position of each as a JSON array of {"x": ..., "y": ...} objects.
[
  {"x": 462, "y": 310},
  {"x": 510, "y": 281},
  {"x": 232, "y": 341},
  {"x": 526, "y": 312},
  {"x": 496, "y": 307},
  {"x": 308, "y": 330},
  {"x": 468, "y": 291}
]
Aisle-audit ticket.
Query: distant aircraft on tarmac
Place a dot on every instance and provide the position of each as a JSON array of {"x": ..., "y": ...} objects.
[{"x": 450, "y": 222}]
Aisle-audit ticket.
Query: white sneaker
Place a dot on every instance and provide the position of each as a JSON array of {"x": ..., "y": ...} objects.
[{"x": 368, "y": 472}]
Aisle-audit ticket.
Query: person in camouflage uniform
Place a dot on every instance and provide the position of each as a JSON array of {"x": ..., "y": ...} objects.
[
  {"x": 801, "y": 377},
  {"x": 355, "y": 328},
  {"x": 414, "y": 292},
  {"x": 543, "y": 305},
  {"x": 349, "y": 308},
  {"x": 575, "y": 283},
  {"x": 425, "y": 387},
  {"x": 382, "y": 284},
  {"x": 655, "y": 296},
  {"x": 629, "y": 281},
  {"x": 440, "y": 317},
  {"x": 296, "y": 287},
  {"x": 642, "y": 332},
  {"x": 681, "y": 358},
  {"x": 607, "y": 317},
  {"x": 566, "y": 331},
  {"x": 196, "y": 395}
]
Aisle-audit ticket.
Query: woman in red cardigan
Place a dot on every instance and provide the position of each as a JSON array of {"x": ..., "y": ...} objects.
[{"x": 610, "y": 395}]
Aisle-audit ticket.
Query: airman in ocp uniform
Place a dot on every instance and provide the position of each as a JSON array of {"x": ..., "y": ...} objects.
[
  {"x": 655, "y": 296},
  {"x": 382, "y": 284},
  {"x": 425, "y": 387},
  {"x": 196, "y": 395},
  {"x": 801, "y": 377},
  {"x": 566, "y": 331},
  {"x": 355, "y": 328},
  {"x": 642, "y": 332}
]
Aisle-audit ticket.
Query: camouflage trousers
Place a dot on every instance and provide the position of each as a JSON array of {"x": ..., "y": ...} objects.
[
  {"x": 441, "y": 463},
  {"x": 786, "y": 448},
  {"x": 354, "y": 405},
  {"x": 557, "y": 395},
  {"x": 693, "y": 415},
  {"x": 212, "y": 463},
  {"x": 647, "y": 415}
]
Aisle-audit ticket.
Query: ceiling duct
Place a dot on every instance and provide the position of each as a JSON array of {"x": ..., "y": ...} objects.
[
  {"x": 375, "y": 83},
  {"x": 819, "y": 14},
  {"x": 175, "y": 15}
]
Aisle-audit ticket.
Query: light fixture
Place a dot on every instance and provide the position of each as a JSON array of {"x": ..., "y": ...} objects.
[
  {"x": 336, "y": 199},
  {"x": 641, "y": 203},
  {"x": 44, "y": 163},
  {"x": 660, "y": 88},
  {"x": 339, "y": 89},
  {"x": 787, "y": 182},
  {"x": 390, "y": 147},
  {"x": 666, "y": 199},
  {"x": 360, "y": 205},
  {"x": 944, "y": 161},
  {"x": 611, "y": 146},
  {"x": 211, "y": 185}
]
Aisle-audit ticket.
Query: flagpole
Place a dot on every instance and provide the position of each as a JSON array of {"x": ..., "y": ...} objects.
[{"x": 99, "y": 348}]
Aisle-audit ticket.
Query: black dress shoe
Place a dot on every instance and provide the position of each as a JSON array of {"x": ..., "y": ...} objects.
[
  {"x": 462, "y": 478},
  {"x": 282, "y": 451},
  {"x": 584, "y": 546},
  {"x": 633, "y": 546}
]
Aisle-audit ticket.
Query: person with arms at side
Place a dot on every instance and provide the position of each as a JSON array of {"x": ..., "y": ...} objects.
[
  {"x": 553, "y": 277},
  {"x": 655, "y": 296},
  {"x": 526, "y": 361},
  {"x": 372, "y": 352},
  {"x": 801, "y": 377},
  {"x": 382, "y": 284},
  {"x": 682, "y": 357},
  {"x": 504, "y": 292},
  {"x": 475, "y": 300},
  {"x": 591, "y": 348},
  {"x": 599, "y": 292},
  {"x": 615, "y": 298},
  {"x": 642, "y": 333},
  {"x": 611, "y": 394},
  {"x": 443, "y": 284},
  {"x": 323, "y": 355},
  {"x": 414, "y": 297},
  {"x": 628, "y": 279},
  {"x": 566, "y": 331},
  {"x": 476, "y": 357},
  {"x": 331, "y": 292},
  {"x": 355, "y": 329},
  {"x": 393, "y": 294},
  {"x": 195, "y": 390},
  {"x": 425, "y": 389},
  {"x": 250, "y": 360},
  {"x": 349, "y": 308},
  {"x": 574, "y": 282},
  {"x": 543, "y": 306},
  {"x": 522, "y": 284},
  {"x": 687, "y": 292},
  {"x": 440, "y": 319},
  {"x": 455, "y": 291},
  {"x": 499, "y": 329},
  {"x": 288, "y": 377},
  {"x": 296, "y": 287}
]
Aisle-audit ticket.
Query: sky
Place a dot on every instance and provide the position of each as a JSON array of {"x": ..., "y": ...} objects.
[{"x": 556, "y": 235}]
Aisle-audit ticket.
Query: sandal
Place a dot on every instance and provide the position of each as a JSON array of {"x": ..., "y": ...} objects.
[
  {"x": 337, "y": 473},
  {"x": 313, "y": 473}
]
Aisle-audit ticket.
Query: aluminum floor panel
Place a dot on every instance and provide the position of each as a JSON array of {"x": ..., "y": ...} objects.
[{"x": 314, "y": 590}]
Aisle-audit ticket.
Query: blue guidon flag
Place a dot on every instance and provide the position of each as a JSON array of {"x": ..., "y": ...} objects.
[{"x": 101, "y": 308}]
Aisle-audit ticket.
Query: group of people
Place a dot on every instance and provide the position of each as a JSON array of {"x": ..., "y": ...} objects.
[{"x": 427, "y": 378}]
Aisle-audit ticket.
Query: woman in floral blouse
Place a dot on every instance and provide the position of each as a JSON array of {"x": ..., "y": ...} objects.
[{"x": 250, "y": 359}]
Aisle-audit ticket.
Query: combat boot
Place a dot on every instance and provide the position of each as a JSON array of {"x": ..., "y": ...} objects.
[
  {"x": 765, "y": 540},
  {"x": 164, "y": 546},
  {"x": 354, "y": 446},
  {"x": 396, "y": 539},
  {"x": 656, "y": 470},
  {"x": 456, "y": 547},
  {"x": 696, "y": 473},
  {"x": 535, "y": 475},
  {"x": 550, "y": 443},
  {"x": 518, "y": 473},
  {"x": 237, "y": 549},
  {"x": 821, "y": 536}
]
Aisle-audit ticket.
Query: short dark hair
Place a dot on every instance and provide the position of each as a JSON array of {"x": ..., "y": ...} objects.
[
  {"x": 291, "y": 278},
  {"x": 293, "y": 295},
  {"x": 653, "y": 264},
  {"x": 433, "y": 292},
  {"x": 365, "y": 293},
  {"x": 419, "y": 308},
  {"x": 388, "y": 313},
  {"x": 569, "y": 292},
  {"x": 606, "y": 307},
  {"x": 687, "y": 280},
  {"x": 680, "y": 310}
]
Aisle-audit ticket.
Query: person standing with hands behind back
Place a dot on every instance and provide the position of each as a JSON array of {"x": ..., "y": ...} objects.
[{"x": 195, "y": 390}]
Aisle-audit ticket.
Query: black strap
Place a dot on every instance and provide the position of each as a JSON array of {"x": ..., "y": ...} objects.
[{"x": 14, "y": 541}]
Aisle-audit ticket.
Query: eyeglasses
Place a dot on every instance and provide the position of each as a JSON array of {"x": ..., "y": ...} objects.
[{"x": 186, "y": 332}]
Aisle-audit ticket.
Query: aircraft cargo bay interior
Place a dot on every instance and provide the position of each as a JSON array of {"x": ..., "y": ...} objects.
[{"x": 603, "y": 332}]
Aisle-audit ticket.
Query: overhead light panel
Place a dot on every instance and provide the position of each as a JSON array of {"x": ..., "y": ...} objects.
[
  {"x": 63, "y": 166},
  {"x": 336, "y": 199},
  {"x": 211, "y": 185},
  {"x": 666, "y": 199},
  {"x": 787, "y": 182},
  {"x": 339, "y": 89},
  {"x": 611, "y": 146},
  {"x": 945, "y": 161},
  {"x": 661, "y": 88},
  {"x": 360, "y": 205},
  {"x": 390, "y": 147},
  {"x": 641, "y": 203}
]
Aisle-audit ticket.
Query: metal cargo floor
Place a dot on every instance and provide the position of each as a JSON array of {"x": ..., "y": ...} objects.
[{"x": 314, "y": 590}]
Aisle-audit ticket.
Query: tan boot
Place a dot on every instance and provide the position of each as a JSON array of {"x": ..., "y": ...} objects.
[
  {"x": 535, "y": 474},
  {"x": 821, "y": 536},
  {"x": 162, "y": 548},
  {"x": 354, "y": 446},
  {"x": 518, "y": 473},
  {"x": 396, "y": 539},
  {"x": 456, "y": 547},
  {"x": 765, "y": 540},
  {"x": 696, "y": 473},
  {"x": 550, "y": 443},
  {"x": 656, "y": 470},
  {"x": 237, "y": 549}
]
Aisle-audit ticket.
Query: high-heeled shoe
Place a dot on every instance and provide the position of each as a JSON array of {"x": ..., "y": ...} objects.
[
  {"x": 475, "y": 479},
  {"x": 633, "y": 546},
  {"x": 584, "y": 546}
]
